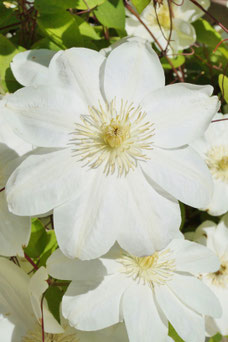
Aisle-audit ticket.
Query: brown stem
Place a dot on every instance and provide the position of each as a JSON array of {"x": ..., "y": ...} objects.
[
  {"x": 219, "y": 120},
  {"x": 209, "y": 15},
  {"x": 31, "y": 262},
  {"x": 2, "y": 189},
  {"x": 42, "y": 318}
]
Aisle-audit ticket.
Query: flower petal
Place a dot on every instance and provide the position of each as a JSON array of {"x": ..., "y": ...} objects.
[
  {"x": 14, "y": 294},
  {"x": 31, "y": 67},
  {"x": 14, "y": 231},
  {"x": 94, "y": 305},
  {"x": 61, "y": 267},
  {"x": 90, "y": 230},
  {"x": 194, "y": 294},
  {"x": 193, "y": 257},
  {"x": 140, "y": 210},
  {"x": 131, "y": 71},
  {"x": 44, "y": 181},
  {"x": 182, "y": 173},
  {"x": 44, "y": 115},
  {"x": 219, "y": 202},
  {"x": 78, "y": 69},
  {"x": 141, "y": 315},
  {"x": 185, "y": 32},
  {"x": 181, "y": 112},
  {"x": 188, "y": 11},
  {"x": 188, "y": 324}
]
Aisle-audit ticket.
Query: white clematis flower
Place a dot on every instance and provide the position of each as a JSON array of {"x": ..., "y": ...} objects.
[
  {"x": 14, "y": 230},
  {"x": 215, "y": 237},
  {"x": 157, "y": 19},
  {"x": 145, "y": 292},
  {"x": 20, "y": 311},
  {"x": 213, "y": 147},
  {"x": 115, "y": 150}
]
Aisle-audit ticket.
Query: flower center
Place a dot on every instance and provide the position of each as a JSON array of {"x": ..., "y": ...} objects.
[
  {"x": 217, "y": 161},
  {"x": 155, "y": 269},
  {"x": 35, "y": 335},
  {"x": 159, "y": 16},
  {"x": 114, "y": 135},
  {"x": 220, "y": 278}
]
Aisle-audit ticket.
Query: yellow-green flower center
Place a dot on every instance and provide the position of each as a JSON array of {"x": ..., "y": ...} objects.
[
  {"x": 155, "y": 269},
  {"x": 217, "y": 161},
  {"x": 159, "y": 16},
  {"x": 115, "y": 135}
]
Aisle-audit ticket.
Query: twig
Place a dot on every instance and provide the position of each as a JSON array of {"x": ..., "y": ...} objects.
[{"x": 209, "y": 15}]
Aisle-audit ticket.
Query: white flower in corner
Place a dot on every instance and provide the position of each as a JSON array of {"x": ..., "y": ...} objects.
[
  {"x": 20, "y": 311},
  {"x": 215, "y": 237},
  {"x": 145, "y": 292},
  {"x": 14, "y": 230},
  {"x": 115, "y": 151},
  {"x": 213, "y": 147},
  {"x": 157, "y": 19},
  {"x": 20, "y": 304}
]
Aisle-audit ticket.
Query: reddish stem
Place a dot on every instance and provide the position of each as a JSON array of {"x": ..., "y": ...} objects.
[
  {"x": 31, "y": 262},
  {"x": 2, "y": 189},
  {"x": 219, "y": 120},
  {"x": 209, "y": 15}
]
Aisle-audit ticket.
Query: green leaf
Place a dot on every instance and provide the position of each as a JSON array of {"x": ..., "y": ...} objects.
[
  {"x": 216, "y": 338},
  {"x": 223, "y": 84},
  {"x": 66, "y": 30},
  {"x": 140, "y": 4},
  {"x": 91, "y": 4},
  {"x": 174, "y": 335},
  {"x": 50, "y": 246},
  {"x": 111, "y": 14},
  {"x": 53, "y": 5},
  {"x": 178, "y": 61},
  {"x": 206, "y": 34},
  {"x": 54, "y": 296},
  {"x": 7, "y": 51},
  {"x": 46, "y": 43},
  {"x": 38, "y": 239}
]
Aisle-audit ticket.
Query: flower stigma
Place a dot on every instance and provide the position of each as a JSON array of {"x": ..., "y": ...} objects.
[
  {"x": 155, "y": 269},
  {"x": 217, "y": 161},
  {"x": 35, "y": 335},
  {"x": 114, "y": 136}
]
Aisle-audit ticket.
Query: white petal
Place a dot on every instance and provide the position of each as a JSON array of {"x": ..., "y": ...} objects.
[
  {"x": 135, "y": 28},
  {"x": 14, "y": 294},
  {"x": 140, "y": 210},
  {"x": 7, "y": 158},
  {"x": 182, "y": 173},
  {"x": 88, "y": 218},
  {"x": 194, "y": 294},
  {"x": 93, "y": 306},
  {"x": 14, "y": 231},
  {"x": 37, "y": 287},
  {"x": 31, "y": 67},
  {"x": 131, "y": 71},
  {"x": 220, "y": 236},
  {"x": 186, "y": 34},
  {"x": 61, "y": 267},
  {"x": 188, "y": 324},
  {"x": 142, "y": 319},
  {"x": 219, "y": 324},
  {"x": 44, "y": 115},
  {"x": 193, "y": 257},
  {"x": 219, "y": 202},
  {"x": 189, "y": 11},
  {"x": 181, "y": 112},
  {"x": 44, "y": 181},
  {"x": 78, "y": 69},
  {"x": 115, "y": 333}
]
